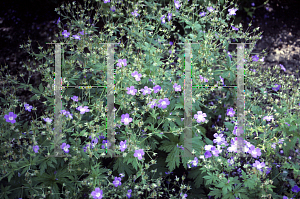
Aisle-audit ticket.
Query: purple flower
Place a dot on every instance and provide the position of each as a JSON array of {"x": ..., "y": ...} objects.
[
  {"x": 252, "y": 4},
  {"x": 36, "y": 148},
  {"x": 232, "y": 11},
  {"x": 195, "y": 162},
  {"x": 215, "y": 152},
  {"x": 177, "y": 87},
  {"x": 268, "y": 118},
  {"x": 122, "y": 62},
  {"x": 200, "y": 116},
  {"x": 83, "y": 109},
  {"x": 58, "y": 20},
  {"x": 105, "y": 144},
  {"x": 255, "y": 152},
  {"x": 152, "y": 103},
  {"x": 156, "y": 88},
  {"x": 94, "y": 142},
  {"x": 233, "y": 147},
  {"x": 234, "y": 28},
  {"x": 163, "y": 20},
  {"x": 135, "y": 13},
  {"x": 219, "y": 139},
  {"x": 10, "y": 117},
  {"x": 222, "y": 79},
  {"x": 136, "y": 75},
  {"x": 169, "y": 17},
  {"x": 281, "y": 151},
  {"x": 230, "y": 161},
  {"x": 139, "y": 153},
  {"x": 280, "y": 141},
  {"x": 202, "y": 14},
  {"x": 268, "y": 170},
  {"x": 63, "y": 112},
  {"x": 255, "y": 58},
  {"x": 163, "y": 103},
  {"x": 146, "y": 90},
  {"x": 65, "y": 33},
  {"x": 106, "y": 1},
  {"x": 210, "y": 9},
  {"x": 85, "y": 148},
  {"x": 276, "y": 88},
  {"x": 171, "y": 43},
  {"x": 207, "y": 154},
  {"x": 48, "y": 120},
  {"x": 259, "y": 165},
  {"x": 75, "y": 98},
  {"x": 229, "y": 54},
  {"x": 123, "y": 145},
  {"x": 67, "y": 113},
  {"x": 295, "y": 189},
  {"x": 82, "y": 32},
  {"x": 27, "y": 107},
  {"x": 129, "y": 193},
  {"x": 230, "y": 112},
  {"x": 288, "y": 124},
  {"x": 208, "y": 147},
  {"x": 97, "y": 194},
  {"x": 201, "y": 78},
  {"x": 117, "y": 181},
  {"x": 113, "y": 8},
  {"x": 126, "y": 119},
  {"x": 177, "y": 4},
  {"x": 76, "y": 37},
  {"x": 282, "y": 67},
  {"x": 131, "y": 90},
  {"x": 183, "y": 195},
  {"x": 65, "y": 147}
]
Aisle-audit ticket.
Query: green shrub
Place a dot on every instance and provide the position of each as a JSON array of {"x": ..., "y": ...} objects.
[{"x": 151, "y": 139}]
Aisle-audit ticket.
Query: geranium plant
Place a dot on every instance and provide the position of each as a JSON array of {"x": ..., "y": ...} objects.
[{"x": 149, "y": 110}]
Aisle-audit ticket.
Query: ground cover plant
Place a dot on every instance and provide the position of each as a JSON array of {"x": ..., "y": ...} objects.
[{"x": 149, "y": 112}]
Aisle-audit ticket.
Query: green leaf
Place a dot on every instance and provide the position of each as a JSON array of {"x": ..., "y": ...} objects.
[
  {"x": 5, "y": 191},
  {"x": 23, "y": 85},
  {"x": 256, "y": 110},
  {"x": 39, "y": 56},
  {"x": 215, "y": 192},
  {"x": 84, "y": 155},
  {"x": 122, "y": 167},
  {"x": 173, "y": 159},
  {"x": 41, "y": 88},
  {"x": 229, "y": 125},
  {"x": 153, "y": 114},
  {"x": 10, "y": 176},
  {"x": 43, "y": 167},
  {"x": 33, "y": 98},
  {"x": 197, "y": 176},
  {"x": 179, "y": 105},
  {"x": 152, "y": 141},
  {"x": 3, "y": 100},
  {"x": 55, "y": 191}
]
